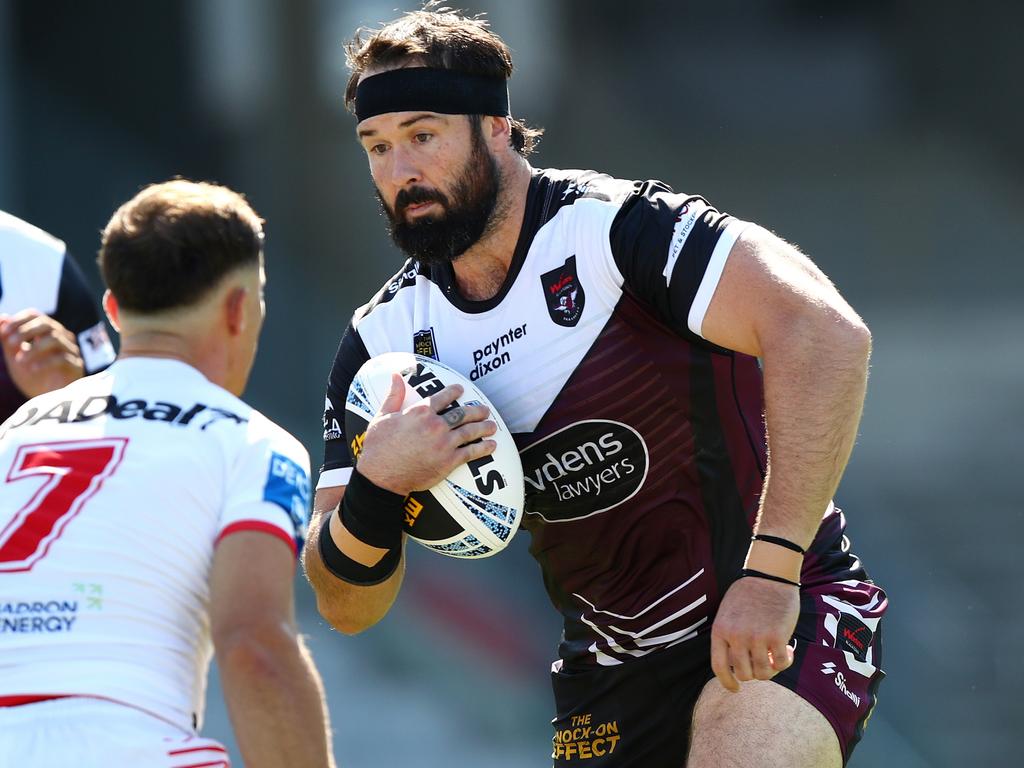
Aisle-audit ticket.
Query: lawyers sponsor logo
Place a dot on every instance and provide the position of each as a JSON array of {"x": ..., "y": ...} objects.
[
  {"x": 564, "y": 294},
  {"x": 584, "y": 469}
]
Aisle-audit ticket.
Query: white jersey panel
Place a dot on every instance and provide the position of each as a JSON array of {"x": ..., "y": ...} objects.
[
  {"x": 30, "y": 266},
  {"x": 117, "y": 489},
  {"x": 481, "y": 344}
]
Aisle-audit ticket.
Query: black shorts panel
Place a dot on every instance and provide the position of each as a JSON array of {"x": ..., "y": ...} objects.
[{"x": 630, "y": 715}]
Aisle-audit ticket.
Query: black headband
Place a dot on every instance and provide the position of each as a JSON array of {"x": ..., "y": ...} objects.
[{"x": 431, "y": 90}]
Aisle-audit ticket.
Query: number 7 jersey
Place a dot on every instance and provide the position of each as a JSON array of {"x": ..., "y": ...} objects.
[{"x": 113, "y": 494}]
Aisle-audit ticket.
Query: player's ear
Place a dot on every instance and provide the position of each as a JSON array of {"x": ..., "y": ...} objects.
[
  {"x": 112, "y": 309},
  {"x": 235, "y": 310},
  {"x": 497, "y": 130}
]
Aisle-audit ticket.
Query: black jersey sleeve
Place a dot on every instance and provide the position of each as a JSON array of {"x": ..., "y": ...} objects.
[
  {"x": 663, "y": 243},
  {"x": 349, "y": 359},
  {"x": 78, "y": 311}
]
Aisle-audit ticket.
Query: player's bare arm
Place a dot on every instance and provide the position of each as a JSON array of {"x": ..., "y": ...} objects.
[
  {"x": 404, "y": 450},
  {"x": 41, "y": 354},
  {"x": 349, "y": 608},
  {"x": 273, "y": 692},
  {"x": 773, "y": 302}
]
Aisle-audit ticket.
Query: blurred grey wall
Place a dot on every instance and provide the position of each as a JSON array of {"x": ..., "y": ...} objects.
[{"x": 883, "y": 138}]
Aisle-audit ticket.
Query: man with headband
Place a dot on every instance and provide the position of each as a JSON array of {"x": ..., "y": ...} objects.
[{"x": 713, "y": 612}]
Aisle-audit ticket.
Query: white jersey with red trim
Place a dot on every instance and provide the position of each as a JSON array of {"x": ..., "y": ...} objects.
[{"x": 113, "y": 494}]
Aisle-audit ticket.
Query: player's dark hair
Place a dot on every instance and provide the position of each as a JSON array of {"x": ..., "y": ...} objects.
[
  {"x": 441, "y": 38},
  {"x": 173, "y": 242}
]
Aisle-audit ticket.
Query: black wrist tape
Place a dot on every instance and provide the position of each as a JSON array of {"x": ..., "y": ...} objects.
[
  {"x": 372, "y": 514},
  {"x": 347, "y": 569},
  {"x": 770, "y": 577},
  {"x": 779, "y": 541}
]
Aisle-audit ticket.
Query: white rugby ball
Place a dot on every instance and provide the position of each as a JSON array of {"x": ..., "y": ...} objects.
[{"x": 476, "y": 510}]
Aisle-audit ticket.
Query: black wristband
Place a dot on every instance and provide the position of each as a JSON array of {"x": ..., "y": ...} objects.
[
  {"x": 778, "y": 540},
  {"x": 372, "y": 514},
  {"x": 770, "y": 577},
  {"x": 347, "y": 569}
]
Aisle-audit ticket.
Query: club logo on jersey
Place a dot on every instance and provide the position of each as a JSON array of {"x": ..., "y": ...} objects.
[
  {"x": 423, "y": 344},
  {"x": 494, "y": 354},
  {"x": 564, "y": 294},
  {"x": 583, "y": 469},
  {"x": 288, "y": 487}
]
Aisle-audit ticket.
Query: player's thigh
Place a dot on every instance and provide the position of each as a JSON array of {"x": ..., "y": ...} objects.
[{"x": 763, "y": 726}]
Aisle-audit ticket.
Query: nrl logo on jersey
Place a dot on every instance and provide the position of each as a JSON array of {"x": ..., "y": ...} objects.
[
  {"x": 564, "y": 294},
  {"x": 423, "y": 344}
]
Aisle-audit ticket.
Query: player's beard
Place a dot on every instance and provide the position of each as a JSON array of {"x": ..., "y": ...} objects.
[{"x": 469, "y": 212}]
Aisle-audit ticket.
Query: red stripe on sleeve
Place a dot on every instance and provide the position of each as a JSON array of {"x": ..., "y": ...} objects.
[{"x": 259, "y": 525}]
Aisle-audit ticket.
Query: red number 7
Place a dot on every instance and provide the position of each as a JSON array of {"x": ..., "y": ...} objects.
[{"x": 75, "y": 470}]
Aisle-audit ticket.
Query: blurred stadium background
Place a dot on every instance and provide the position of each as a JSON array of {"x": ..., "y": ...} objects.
[{"x": 884, "y": 138}]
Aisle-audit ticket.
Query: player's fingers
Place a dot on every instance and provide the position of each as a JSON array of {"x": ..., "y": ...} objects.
[
  {"x": 467, "y": 433},
  {"x": 761, "y": 662},
  {"x": 720, "y": 663},
  {"x": 465, "y": 414},
  {"x": 782, "y": 656},
  {"x": 25, "y": 324},
  {"x": 739, "y": 659},
  {"x": 396, "y": 395},
  {"x": 441, "y": 400},
  {"x": 474, "y": 450},
  {"x": 41, "y": 346},
  {"x": 39, "y": 356}
]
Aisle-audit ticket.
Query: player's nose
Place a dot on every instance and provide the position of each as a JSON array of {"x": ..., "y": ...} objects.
[{"x": 404, "y": 170}]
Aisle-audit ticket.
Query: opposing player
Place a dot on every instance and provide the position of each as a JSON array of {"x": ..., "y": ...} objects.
[
  {"x": 50, "y": 326},
  {"x": 714, "y": 614},
  {"x": 146, "y": 510}
]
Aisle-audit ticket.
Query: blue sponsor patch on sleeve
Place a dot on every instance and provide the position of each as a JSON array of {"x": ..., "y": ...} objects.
[{"x": 288, "y": 487}]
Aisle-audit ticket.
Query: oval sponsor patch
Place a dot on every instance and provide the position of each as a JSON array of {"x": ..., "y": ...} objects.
[{"x": 583, "y": 469}]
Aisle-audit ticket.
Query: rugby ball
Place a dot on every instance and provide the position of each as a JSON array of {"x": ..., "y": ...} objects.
[{"x": 476, "y": 510}]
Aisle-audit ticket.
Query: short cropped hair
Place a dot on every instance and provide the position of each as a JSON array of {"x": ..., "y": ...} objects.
[
  {"x": 440, "y": 38},
  {"x": 173, "y": 242}
]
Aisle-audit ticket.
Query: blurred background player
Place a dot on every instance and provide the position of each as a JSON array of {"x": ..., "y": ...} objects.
[
  {"x": 713, "y": 612},
  {"x": 148, "y": 510},
  {"x": 50, "y": 325}
]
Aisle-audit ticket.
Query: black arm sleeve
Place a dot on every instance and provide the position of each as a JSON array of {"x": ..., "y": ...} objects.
[
  {"x": 349, "y": 359},
  {"x": 662, "y": 243},
  {"x": 77, "y": 310}
]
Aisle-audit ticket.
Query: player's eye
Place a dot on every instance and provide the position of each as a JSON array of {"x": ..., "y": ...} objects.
[
  {"x": 422, "y": 138},
  {"x": 378, "y": 149}
]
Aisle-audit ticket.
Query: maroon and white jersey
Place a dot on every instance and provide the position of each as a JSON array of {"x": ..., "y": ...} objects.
[{"x": 643, "y": 445}]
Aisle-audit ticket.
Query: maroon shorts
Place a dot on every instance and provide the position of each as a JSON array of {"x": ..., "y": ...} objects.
[
  {"x": 639, "y": 713},
  {"x": 838, "y": 656}
]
